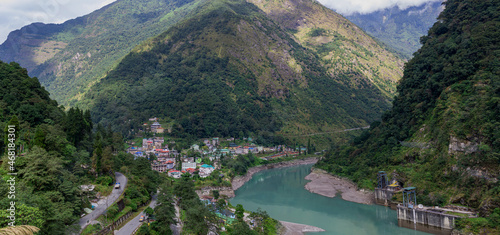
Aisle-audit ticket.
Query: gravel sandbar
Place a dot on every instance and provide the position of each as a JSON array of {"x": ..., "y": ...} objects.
[
  {"x": 328, "y": 185},
  {"x": 298, "y": 229}
]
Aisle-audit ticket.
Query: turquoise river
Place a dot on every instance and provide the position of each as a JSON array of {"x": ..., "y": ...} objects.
[{"x": 281, "y": 193}]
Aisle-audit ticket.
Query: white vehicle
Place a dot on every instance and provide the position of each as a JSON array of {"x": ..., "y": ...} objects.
[{"x": 117, "y": 185}]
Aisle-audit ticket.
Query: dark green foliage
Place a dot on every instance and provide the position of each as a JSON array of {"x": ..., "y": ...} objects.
[
  {"x": 240, "y": 164},
  {"x": 53, "y": 156},
  {"x": 164, "y": 212},
  {"x": 183, "y": 76},
  {"x": 203, "y": 107},
  {"x": 449, "y": 95},
  {"x": 239, "y": 212},
  {"x": 199, "y": 218},
  {"x": 47, "y": 192},
  {"x": 242, "y": 228},
  {"x": 263, "y": 223},
  {"x": 316, "y": 32}
]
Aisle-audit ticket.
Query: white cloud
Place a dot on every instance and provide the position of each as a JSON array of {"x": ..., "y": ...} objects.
[
  {"x": 14, "y": 14},
  {"x": 347, "y": 7}
]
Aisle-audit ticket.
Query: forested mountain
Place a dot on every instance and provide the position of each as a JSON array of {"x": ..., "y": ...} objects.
[
  {"x": 442, "y": 134},
  {"x": 68, "y": 58},
  {"x": 46, "y": 185},
  {"x": 400, "y": 29},
  {"x": 56, "y": 152},
  {"x": 232, "y": 69}
]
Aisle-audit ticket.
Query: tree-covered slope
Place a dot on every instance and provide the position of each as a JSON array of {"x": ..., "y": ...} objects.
[
  {"x": 343, "y": 48},
  {"x": 46, "y": 193},
  {"x": 228, "y": 71},
  {"x": 442, "y": 134},
  {"x": 400, "y": 29},
  {"x": 68, "y": 58},
  {"x": 56, "y": 152}
]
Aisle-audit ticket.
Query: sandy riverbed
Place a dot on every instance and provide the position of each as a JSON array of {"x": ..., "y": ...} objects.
[
  {"x": 298, "y": 229},
  {"x": 239, "y": 181},
  {"x": 328, "y": 185}
]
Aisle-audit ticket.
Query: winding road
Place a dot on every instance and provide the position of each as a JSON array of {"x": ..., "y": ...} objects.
[
  {"x": 103, "y": 204},
  {"x": 132, "y": 225},
  {"x": 330, "y": 132}
]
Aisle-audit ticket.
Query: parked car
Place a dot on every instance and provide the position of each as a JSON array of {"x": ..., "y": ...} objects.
[{"x": 141, "y": 219}]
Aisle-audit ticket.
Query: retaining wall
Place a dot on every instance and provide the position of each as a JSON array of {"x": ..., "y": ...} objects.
[
  {"x": 427, "y": 218},
  {"x": 383, "y": 196}
]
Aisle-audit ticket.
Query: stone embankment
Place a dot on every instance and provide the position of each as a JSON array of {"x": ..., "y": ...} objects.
[{"x": 206, "y": 191}]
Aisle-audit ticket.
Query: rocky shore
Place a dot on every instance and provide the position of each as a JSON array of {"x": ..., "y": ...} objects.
[
  {"x": 328, "y": 185},
  {"x": 207, "y": 191},
  {"x": 297, "y": 229},
  {"x": 239, "y": 181}
]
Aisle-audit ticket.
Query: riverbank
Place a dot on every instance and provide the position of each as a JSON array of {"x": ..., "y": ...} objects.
[
  {"x": 298, "y": 229},
  {"x": 239, "y": 181},
  {"x": 328, "y": 185}
]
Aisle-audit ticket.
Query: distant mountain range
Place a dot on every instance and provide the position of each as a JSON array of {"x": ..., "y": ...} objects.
[
  {"x": 400, "y": 29},
  {"x": 214, "y": 67},
  {"x": 69, "y": 58}
]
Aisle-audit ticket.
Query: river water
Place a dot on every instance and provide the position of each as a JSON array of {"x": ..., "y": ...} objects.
[{"x": 281, "y": 193}]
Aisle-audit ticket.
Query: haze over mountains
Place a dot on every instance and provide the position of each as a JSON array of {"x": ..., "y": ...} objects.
[{"x": 399, "y": 29}]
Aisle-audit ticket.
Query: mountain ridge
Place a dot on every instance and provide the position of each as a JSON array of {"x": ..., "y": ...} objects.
[
  {"x": 441, "y": 135},
  {"x": 278, "y": 79},
  {"x": 67, "y": 62}
]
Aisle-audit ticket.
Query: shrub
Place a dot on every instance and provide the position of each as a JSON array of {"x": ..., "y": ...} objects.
[{"x": 105, "y": 180}]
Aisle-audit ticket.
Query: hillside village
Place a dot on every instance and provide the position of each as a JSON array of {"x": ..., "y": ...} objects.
[{"x": 177, "y": 162}]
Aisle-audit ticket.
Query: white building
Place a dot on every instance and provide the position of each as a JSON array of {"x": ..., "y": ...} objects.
[{"x": 186, "y": 165}]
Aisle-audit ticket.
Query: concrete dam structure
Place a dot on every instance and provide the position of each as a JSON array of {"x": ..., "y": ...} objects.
[
  {"x": 416, "y": 216},
  {"x": 427, "y": 217}
]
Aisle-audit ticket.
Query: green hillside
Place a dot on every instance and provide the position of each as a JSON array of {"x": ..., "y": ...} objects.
[
  {"x": 343, "y": 48},
  {"x": 230, "y": 71},
  {"x": 46, "y": 188},
  {"x": 56, "y": 152},
  {"x": 442, "y": 134},
  {"x": 69, "y": 58}
]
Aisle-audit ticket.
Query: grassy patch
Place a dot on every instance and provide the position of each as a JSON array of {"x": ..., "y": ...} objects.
[
  {"x": 104, "y": 190},
  {"x": 456, "y": 213},
  {"x": 91, "y": 229}
]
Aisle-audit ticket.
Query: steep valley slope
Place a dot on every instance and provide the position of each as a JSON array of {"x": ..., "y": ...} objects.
[
  {"x": 442, "y": 134},
  {"x": 233, "y": 69}
]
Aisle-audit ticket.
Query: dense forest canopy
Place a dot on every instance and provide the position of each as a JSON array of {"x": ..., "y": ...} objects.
[
  {"x": 449, "y": 98},
  {"x": 57, "y": 151},
  {"x": 202, "y": 75}
]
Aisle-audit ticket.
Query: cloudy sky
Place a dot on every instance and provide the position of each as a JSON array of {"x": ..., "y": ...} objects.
[
  {"x": 347, "y": 7},
  {"x": 14, "y": 14}
]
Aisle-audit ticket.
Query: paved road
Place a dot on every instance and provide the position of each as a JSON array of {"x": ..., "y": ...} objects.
[
  {"x": 103, "y": 204},
  {"x": 177, "y": 228},
  {"x": 330, "y": 132},
  {"x": 132, "y": 225}
]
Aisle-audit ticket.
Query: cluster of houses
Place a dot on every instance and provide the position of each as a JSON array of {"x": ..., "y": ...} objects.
[
  {"x": 166, "y": 158},
  {"x": 213, "y": 150},
  {"x": 192, "y": 168},
  {"x": 226, "y": 216},
  {"x": 156, "y": 126}
]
